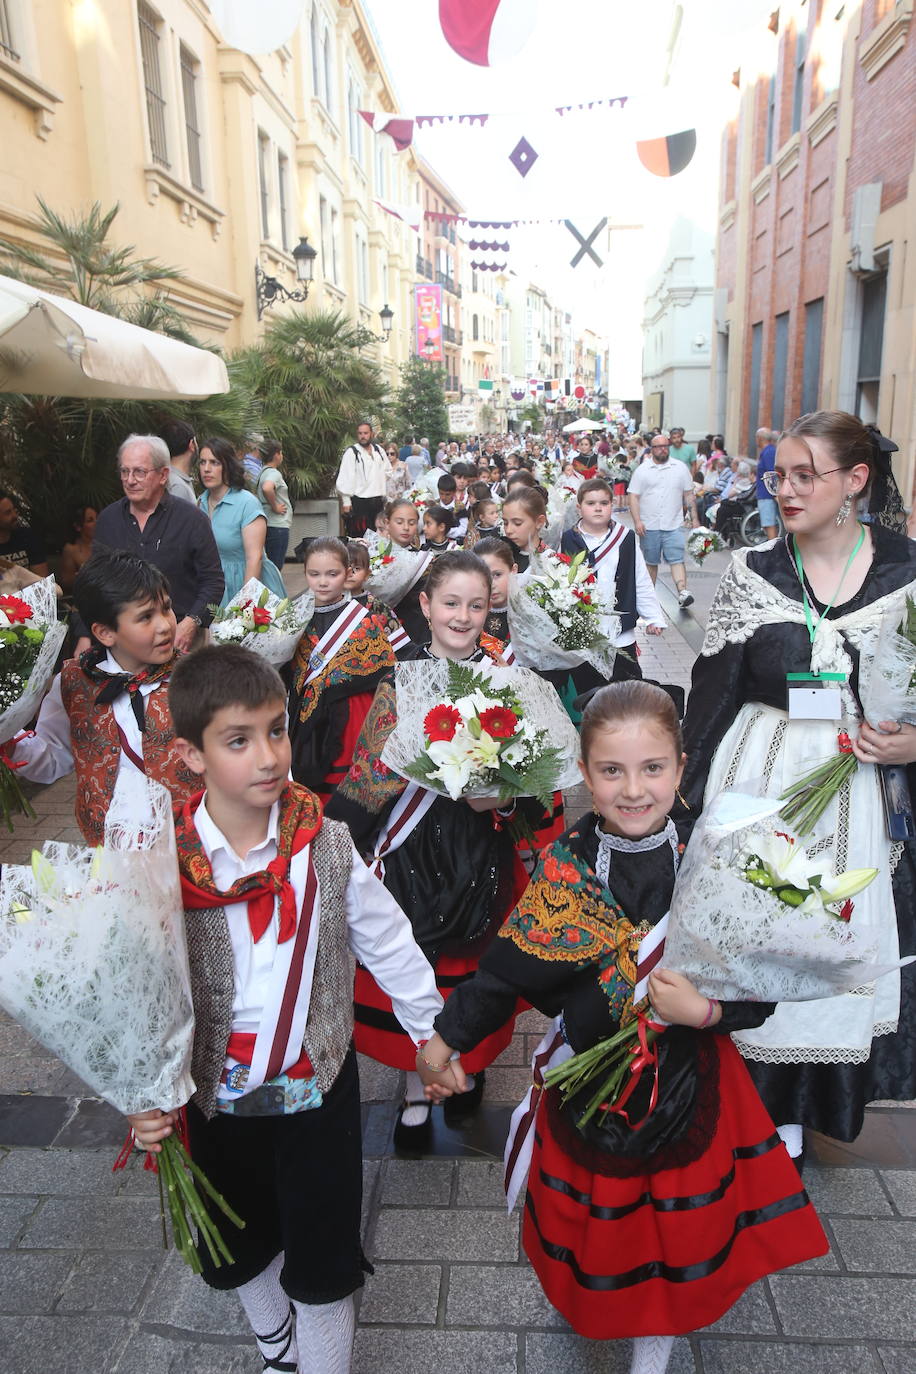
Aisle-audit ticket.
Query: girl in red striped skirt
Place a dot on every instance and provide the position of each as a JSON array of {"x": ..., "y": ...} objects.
[
  {"x": 655, "y": 1229},
  {"x": 451, "y": 865},
  {"x": 340, "y": 660}
]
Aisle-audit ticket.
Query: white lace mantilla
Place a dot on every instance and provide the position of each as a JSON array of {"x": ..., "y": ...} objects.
[
  {"x": 745, "y": 601},
  {"x": 794, "y": 1054}
]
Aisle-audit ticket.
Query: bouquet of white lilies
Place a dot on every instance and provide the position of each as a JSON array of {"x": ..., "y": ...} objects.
[{"x": 755, "y": 916}]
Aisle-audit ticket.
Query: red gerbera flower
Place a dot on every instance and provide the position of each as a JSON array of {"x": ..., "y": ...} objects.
[
  {"x": 564, "y": 558},
  {"x": 261, "y": 615},
  {"x": 499, "y": 722},
  {"x": 389, "y": 558},
  {"x": 441, "y": 722},
  {"x": 15, "y": 609}
]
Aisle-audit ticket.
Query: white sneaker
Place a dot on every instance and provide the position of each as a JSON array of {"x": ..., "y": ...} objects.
[{"x": 684, "y": 598}]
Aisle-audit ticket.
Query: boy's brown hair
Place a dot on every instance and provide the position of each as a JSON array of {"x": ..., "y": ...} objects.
[{"x": 214, "y": 677}]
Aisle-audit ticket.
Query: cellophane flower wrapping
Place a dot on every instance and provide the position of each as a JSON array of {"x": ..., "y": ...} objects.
[
  {"x": 738, "y": 942},
  {"x": 276, "y": 639},
  {"x": 888, "y": 678},
  {"x": 22, "y": 688},
  {"x": 561, "y": 636},
  {"x": 422, "y": 685},
  {"x": 391, "y": 572},
  {"x": 562, "y": 513},
  {"x": 93, "y": 958},
  {"x": 701, "y": 542}
]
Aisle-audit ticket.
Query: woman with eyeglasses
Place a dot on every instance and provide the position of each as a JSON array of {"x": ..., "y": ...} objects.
[
  {"x": 786, "y": 653},
  {"x": 397, "y": 476}
]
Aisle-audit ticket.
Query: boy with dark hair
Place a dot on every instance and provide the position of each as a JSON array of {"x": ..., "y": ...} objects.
[
  {"x": 276, "y": 899},
  {"x": 451, "y": 499},
  {"x": 107, "y": 713},
  {"x": 614, "y": 556}
]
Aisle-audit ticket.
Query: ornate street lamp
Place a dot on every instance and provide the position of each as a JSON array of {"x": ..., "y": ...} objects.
[{"x": 268, "y": 289}]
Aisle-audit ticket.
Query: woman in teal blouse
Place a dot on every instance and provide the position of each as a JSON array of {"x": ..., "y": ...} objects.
[{"x": 239, "y": 527}]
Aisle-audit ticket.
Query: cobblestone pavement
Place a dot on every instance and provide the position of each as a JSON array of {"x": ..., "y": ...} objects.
[{"x": 85, "y": 1287}]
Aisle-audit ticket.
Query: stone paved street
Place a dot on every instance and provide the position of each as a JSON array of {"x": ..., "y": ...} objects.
[{"x": 85, "y": 1287}]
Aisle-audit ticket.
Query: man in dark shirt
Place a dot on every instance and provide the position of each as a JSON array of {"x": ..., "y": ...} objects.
[
  {"x": 173, "y": 535},
  {"x": 17, "y": 542}
]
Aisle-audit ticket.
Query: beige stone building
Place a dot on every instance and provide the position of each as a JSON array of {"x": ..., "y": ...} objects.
[{"x": 220, "y": 161}]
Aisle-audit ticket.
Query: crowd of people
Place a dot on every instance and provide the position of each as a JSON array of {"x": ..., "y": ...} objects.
[{"x": 462, "y": 912}]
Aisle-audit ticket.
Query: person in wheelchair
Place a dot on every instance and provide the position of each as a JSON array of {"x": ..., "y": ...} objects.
[{"x": 737, "y": 498}]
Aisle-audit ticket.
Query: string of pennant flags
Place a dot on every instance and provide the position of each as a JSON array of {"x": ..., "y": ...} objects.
[{"x": 663, "y": 157}]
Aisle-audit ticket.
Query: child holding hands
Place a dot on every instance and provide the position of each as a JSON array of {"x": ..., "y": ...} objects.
[
  {"x": 276, "y": 900},
  {"x": 653, "y": 1229}
]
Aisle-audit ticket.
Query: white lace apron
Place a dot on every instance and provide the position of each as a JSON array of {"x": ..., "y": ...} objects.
[{"x": 763, "y": 744}]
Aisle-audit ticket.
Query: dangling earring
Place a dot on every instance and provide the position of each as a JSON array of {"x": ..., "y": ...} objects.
[
  {"x": 842, "y": 514},
  {"x": 683, "y": 803}
]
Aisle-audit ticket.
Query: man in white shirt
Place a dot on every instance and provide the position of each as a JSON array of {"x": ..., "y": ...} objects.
[
  {"x": 361, "y": 482},
  {"x": 659, "y": 493}
]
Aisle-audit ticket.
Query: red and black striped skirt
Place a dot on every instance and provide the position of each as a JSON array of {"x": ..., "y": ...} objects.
[
  {"x": 669, "y": 1252},
  {"x": 357, "y": 709},
  {"x": 377, "y": 1031}
]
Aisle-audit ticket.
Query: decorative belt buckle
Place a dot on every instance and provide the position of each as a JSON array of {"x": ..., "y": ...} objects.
[{"x": 237, "y": 1078}]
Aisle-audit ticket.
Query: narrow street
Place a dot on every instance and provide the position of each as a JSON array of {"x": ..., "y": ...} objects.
[{"x": 85, "y": 1285}]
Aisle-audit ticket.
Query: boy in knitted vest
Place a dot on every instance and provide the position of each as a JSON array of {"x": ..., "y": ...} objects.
[
  {"x": 107, "y": 713},
  {"x": 276, "y": 899}
]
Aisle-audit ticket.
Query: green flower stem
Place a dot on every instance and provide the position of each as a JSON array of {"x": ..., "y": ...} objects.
[
  {"x": 180, "y": 1177},
  {"x": 592, "y": 1065},
  {"x": 809, "y": 796},
  {"x": 13, "y": 801}
]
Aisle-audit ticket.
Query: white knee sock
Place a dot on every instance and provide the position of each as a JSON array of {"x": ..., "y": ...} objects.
[
  {"x": 413, "y": 1092},
  {"x": 651, "y": 1354},
  {"x": 268, "y": 1309},
  {"x": 792, "y": 1138},
  {"x": 325, "y": 1336}
]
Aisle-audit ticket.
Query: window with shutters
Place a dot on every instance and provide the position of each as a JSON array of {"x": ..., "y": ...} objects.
[
  {"x": 264, "y": 182},
  {"x": 283, "y": 187},
  {"x": 8, "y": 46},
  {"x": 189, "y": 68},
  {"x": 152, "y": 81}
]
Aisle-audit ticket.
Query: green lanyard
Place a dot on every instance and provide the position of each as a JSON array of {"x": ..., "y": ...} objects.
[{"x": 809, "y": 619}]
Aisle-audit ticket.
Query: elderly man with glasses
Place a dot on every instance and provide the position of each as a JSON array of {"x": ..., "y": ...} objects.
[
  {"x": 659, "y": 493},
  {"x": 169, "y": 533}
]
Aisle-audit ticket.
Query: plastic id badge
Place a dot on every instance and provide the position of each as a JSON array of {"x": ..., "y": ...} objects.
[{"x": 814, "y": 698}]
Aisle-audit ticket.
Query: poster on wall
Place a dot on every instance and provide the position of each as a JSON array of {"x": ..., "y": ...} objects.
[{"x": 429, "y": 322}]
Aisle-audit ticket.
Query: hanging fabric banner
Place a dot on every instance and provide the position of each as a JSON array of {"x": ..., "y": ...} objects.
[{"x": 428, "y": 298}]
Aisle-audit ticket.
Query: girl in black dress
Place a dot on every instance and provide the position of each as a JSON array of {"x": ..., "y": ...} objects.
[
  {"x": 654, "y": 1229},
  {"x": 454, "y": 871},
  {"x": 340, "y": 660},
  {"x": 806, "y": 606}
]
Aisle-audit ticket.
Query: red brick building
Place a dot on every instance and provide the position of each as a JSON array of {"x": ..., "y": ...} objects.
[{"x": 815, "y": 302}]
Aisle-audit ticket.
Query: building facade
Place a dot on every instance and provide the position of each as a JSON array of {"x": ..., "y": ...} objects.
[
  {"x": 815, "y": 274},
  {"x": 220, "y": 161},
  {"x": 677, "y": 333},
  {"x": 439, "y": 260}
]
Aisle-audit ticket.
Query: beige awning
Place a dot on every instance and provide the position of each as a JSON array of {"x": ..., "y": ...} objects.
[{"x": 51, "y": 346}]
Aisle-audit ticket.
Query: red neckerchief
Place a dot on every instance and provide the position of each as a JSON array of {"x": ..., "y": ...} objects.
[{"x": 299, "y": 823}]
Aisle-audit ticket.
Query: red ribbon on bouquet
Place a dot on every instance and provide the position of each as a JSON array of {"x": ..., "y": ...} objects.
[
  {"x": 149, "y": 1162},
  {"x": 645, "y": 1055},
  {"x": 6, "y": 751}
]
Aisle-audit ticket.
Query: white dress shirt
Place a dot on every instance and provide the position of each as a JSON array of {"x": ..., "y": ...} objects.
[
  {"x": 47, "y": 755},
  {"x": 379, "y": 934},
  {"x": 647, "y": 604},
  {"x": 363, "y": 472}
]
